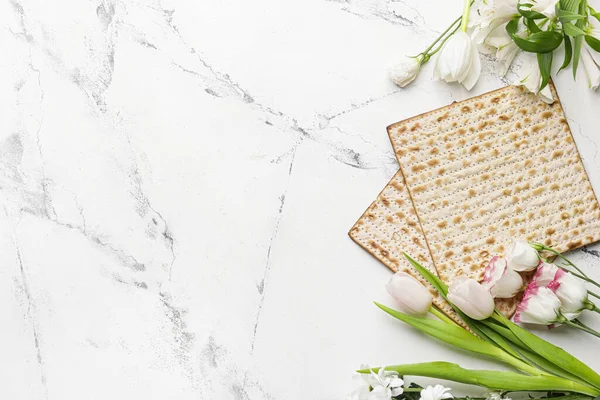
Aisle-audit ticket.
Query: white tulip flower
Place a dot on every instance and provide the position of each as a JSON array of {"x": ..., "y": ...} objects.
[
  {"x": 521, "y": 256},
  {"x": 458, "y": 61},
  {"x": 571, "y": 292},
  {"x": 545, "y": 274},
  {"x": 501, "y": 281},
  {"x": 539, "y": 306},
  {"x": 471, "y": 298},
  {"x": 412, "y": 297}
]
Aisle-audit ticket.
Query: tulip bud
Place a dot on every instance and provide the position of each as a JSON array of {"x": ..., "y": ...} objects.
[
  {"x": 521, "y": 256},
  {"x": 405, "y": 71},
  {"x": 501, "y": 281},
  {"x": 571, "y": 292},
  {"x": 539, "y": 306},
  {"x": 471, "y": 298},
  {"x": 545, "y": 274},
  {"x": 412, "y": 297}
]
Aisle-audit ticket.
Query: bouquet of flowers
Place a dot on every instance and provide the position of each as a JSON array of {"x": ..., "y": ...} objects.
[
  {"x": 504, "y": 28},
  {"x": 556, "y": 295}
]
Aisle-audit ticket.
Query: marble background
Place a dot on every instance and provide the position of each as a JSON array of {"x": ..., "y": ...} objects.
[{"x": 177, "y": 179}]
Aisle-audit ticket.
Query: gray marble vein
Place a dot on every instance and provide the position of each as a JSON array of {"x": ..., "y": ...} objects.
[{"x": 176, "y": 184}]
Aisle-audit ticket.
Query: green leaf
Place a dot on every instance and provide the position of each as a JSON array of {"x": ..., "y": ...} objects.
[
  {"x": 569, "y": 5},
  {"x": 459, "y": 337},
  {"x": 512, "y": 26},
  {"x": 545, "y": 64},
  {"x": 495, "y": 380},
  {"x": 497, "y": 339},
  {"x": 572, "y": 30},
  {"x": 579, "y": 39},
  {"x": 532, "y": 26},
  {"x": 593, "y": 42},
  {"x": 568, "y": 54},
  {"x": 452, "y": 334},
  {"x": 594, "y": 14},
  {"x": 524, "y": 10},
  {"x": 552, "y": 353},
  {"x": 540, "y": 42},
  {"x": 548, "y": 366},
  {"x": 568, "y": 16},
  {"x": 436, "y": 282},
  {"x": 576, "y": 54}
]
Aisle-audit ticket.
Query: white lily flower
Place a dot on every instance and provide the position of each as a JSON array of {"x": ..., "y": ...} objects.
[
  {"x": 471, "y": 298},
  {"x": 412, "y": 297},
  {"x": 458, "y": 61},
  {"x": 405, "y": 71},
  {"x": 489, "y": 16},
  {"x": 501, "y": 281},
  {"x": 506, "y": 48},
  {"x": 546, "y": 7},
  {"x": 521, "y": 256},
  {"x": 532, "y": 80},
  {"x": 572, "y": 293},
  {"x": 437, "y": 392},
  {"x": 592, "y": 69},
  {"x": 539, "y": 306}
]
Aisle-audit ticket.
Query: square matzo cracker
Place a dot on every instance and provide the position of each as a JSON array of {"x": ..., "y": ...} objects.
[
  {"x": 390, "y": 227},
  {"x": 488, "y": 170}
]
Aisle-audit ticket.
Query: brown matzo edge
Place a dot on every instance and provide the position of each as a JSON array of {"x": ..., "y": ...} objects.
[
  {"x": 390, "y": 227},
  {"x": 428, "y": 155}
]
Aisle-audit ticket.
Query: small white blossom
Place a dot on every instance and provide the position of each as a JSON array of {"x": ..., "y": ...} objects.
[
  {"x": 497, "y": 396},
  {"x": 405, "y": 71},
  {"x": 437, "y": 392},
  {"x": 382, "y": 385}
]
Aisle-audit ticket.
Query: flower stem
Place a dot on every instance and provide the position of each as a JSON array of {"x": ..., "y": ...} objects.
[
  {"x": 582, "y": 327},
  {"x": 413, "y": 390},
  {"x": 425, "y": 53},
  {"x": 593, "y": 294},
  {"x": 465, "y": 16},
  {"x": 441, "y": 315}
]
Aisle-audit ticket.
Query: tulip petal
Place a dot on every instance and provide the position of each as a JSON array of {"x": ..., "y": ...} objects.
[{"x": 474, "y": 70}]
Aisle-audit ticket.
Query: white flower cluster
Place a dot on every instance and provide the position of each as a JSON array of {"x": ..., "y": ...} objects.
[
  {"x": 386, "y": 384},
  {"x": 458, "y": 55}
]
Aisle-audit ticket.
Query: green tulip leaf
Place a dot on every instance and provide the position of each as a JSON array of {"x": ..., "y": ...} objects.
[
  {"x": 494, "y": 380},
  {"x": 436, "y": 282},
  {"x": 459, "y": 337},
  {"x": 552, "y": 353}
]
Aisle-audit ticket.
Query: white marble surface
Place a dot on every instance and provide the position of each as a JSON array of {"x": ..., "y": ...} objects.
[{"x": 177, "y": 179}]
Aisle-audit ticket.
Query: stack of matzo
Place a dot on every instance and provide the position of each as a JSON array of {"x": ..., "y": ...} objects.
[{"x": 474, "y": 176}]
